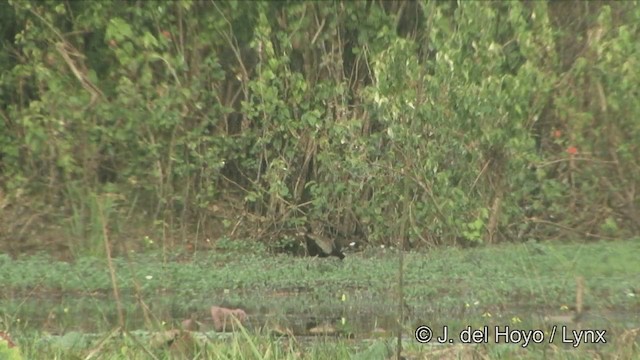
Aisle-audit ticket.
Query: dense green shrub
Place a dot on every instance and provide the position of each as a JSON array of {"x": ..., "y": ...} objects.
[{"x": 466, "y": 122}]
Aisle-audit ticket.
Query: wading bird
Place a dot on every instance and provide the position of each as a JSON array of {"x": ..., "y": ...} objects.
[{"x": 322, "y": 246}]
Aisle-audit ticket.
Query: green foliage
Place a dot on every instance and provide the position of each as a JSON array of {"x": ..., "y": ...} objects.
[
  {"x": 9, "y": 353},
  {"x": 464, "y": 120}
]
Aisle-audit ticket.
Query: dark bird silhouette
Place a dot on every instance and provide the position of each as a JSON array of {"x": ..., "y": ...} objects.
[{"x": 322, "y": 246}]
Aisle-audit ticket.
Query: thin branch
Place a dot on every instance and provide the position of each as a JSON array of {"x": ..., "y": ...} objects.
[
  {"x": 486, "y": 165},
  {"x": 547, "y": 163},
  {"x": 315, "y": 37},
  {"x": 112, "y": 271}
]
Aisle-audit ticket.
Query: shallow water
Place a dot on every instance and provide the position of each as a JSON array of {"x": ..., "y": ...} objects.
[{"x": 302, "y": 311}]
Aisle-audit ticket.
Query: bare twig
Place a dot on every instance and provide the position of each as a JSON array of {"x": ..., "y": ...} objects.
[
  {"x": 567, "y": 228},
  {"x": 112, "y": 271},
  {"x": 486, "y": 165},
  {"x": 493, "y": 218},
  {"x": 96, "y": 350},
  {"x": 66, "y": 50},
  {"x": 315, "y": 37},
  {"x": 551, "y": 162}
]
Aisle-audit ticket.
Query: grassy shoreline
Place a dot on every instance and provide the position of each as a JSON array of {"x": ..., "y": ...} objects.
[{"x": 519, "y": 285}]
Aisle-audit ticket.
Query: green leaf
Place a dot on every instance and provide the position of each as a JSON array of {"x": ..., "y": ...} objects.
[{"x": 119, "y": 30}]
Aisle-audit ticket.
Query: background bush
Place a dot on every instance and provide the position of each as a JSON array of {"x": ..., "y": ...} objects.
[{"x": 440, "y": 122}]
